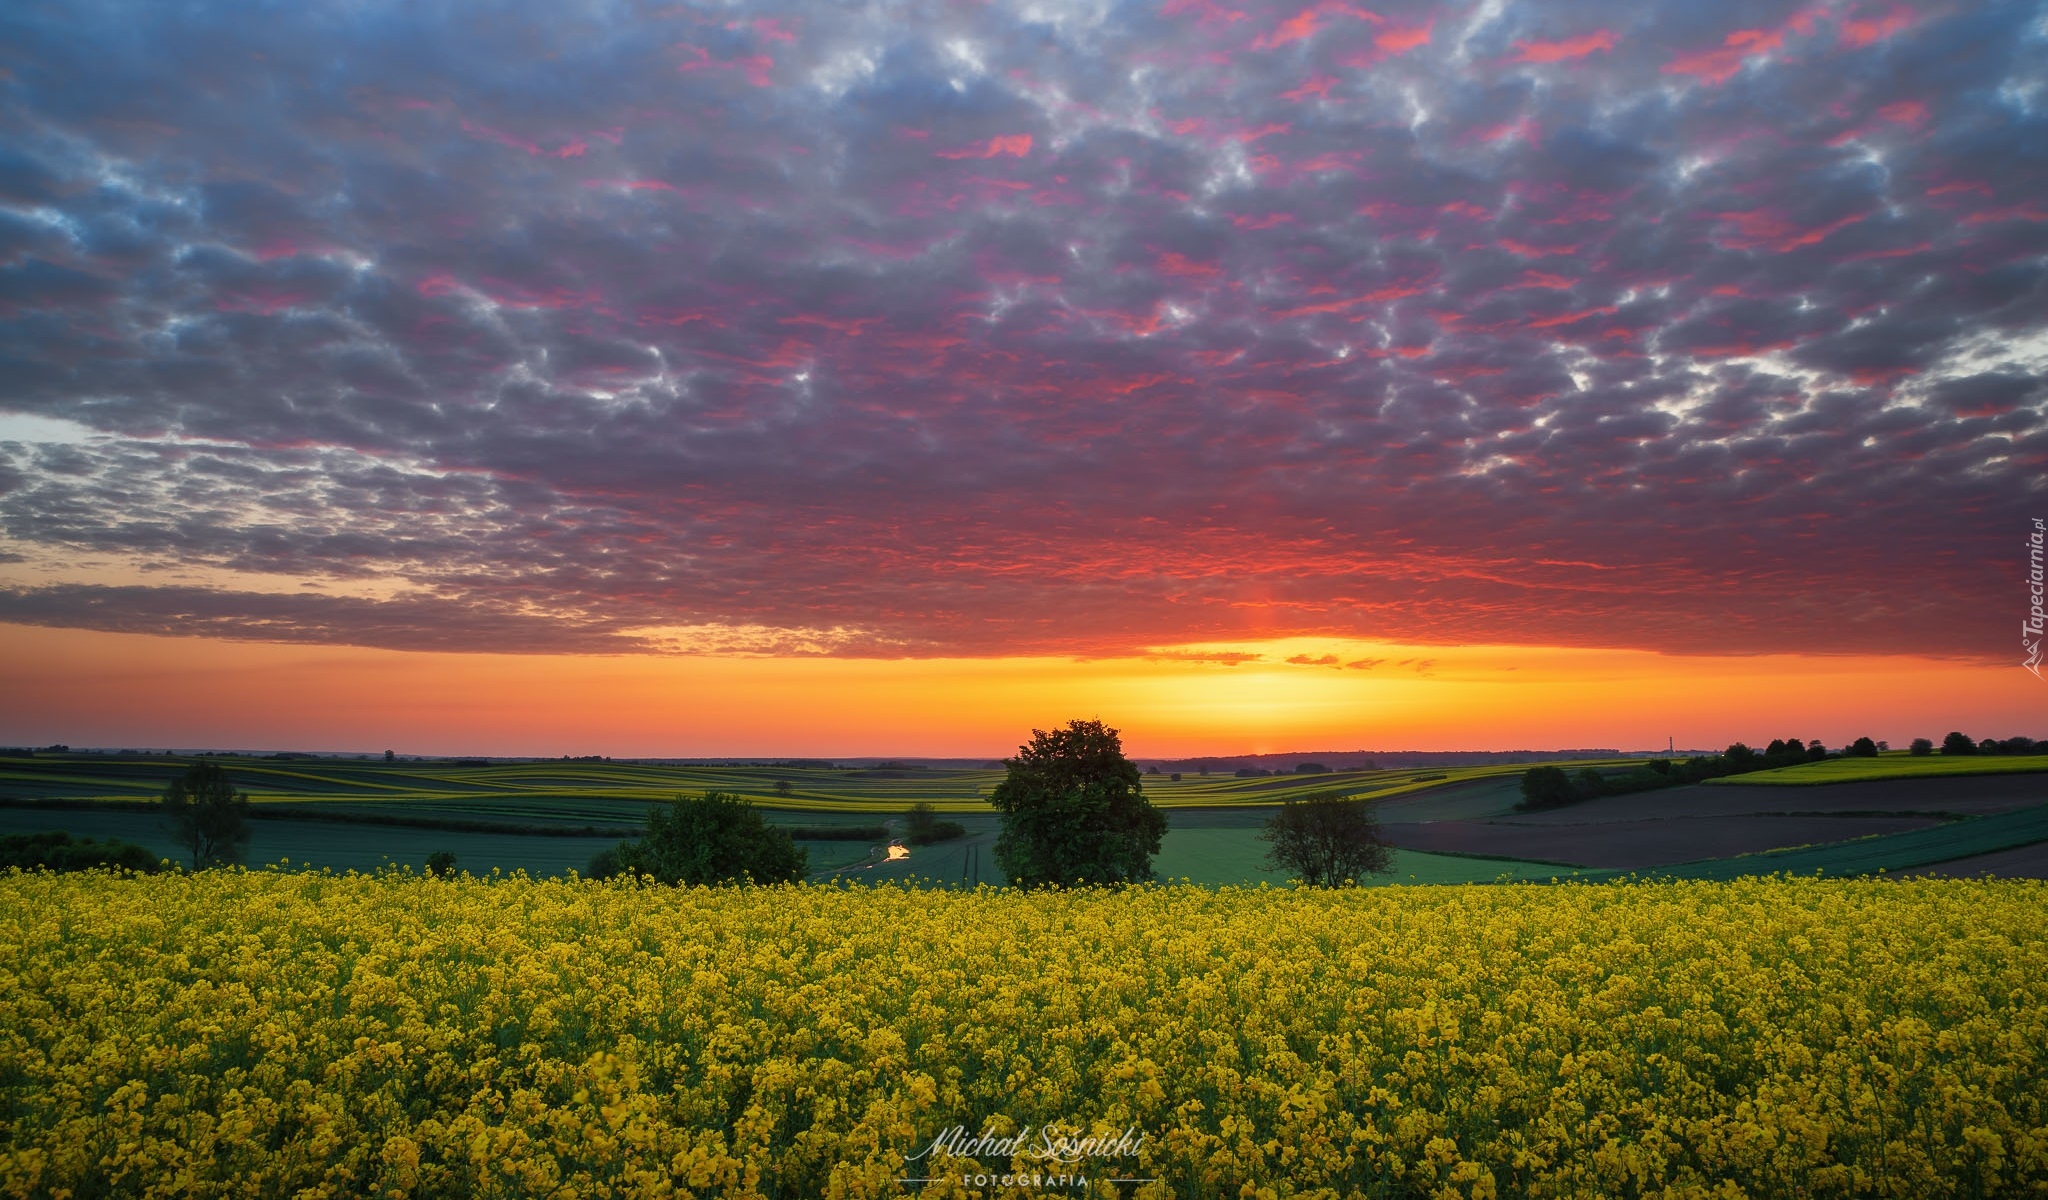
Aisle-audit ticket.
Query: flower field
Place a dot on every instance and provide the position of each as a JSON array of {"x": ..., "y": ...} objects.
[{"x": 273, "y": 1033}]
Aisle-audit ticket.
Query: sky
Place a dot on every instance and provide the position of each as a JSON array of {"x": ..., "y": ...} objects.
[{"x": 897, "y": 378}]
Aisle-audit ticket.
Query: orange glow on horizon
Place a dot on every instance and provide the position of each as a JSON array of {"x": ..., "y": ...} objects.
[
  {"x": 86, "y": 688},
  {"x": 113, "y": 689}
]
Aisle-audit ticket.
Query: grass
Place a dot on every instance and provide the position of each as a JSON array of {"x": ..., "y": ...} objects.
[
  {"x": 1893, "y": 764},
  {"x": 1885, "y": 852}
]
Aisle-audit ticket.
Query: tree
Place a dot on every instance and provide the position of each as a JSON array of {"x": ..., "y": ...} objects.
[
  {"x": 922, "y": 827},
  {"x": 1921, "y": 747},
  {"x": 1327, "y": 839},
  {"x": 441, "y": 864},
  {"x": 714, "y": 838},
  {"x": 1074, "y": 811},
  {"x": 207, "y": 815},
  {"x": 1547, "y": 787},
  {"x": 783, "y": 787},
  {"x": 1815, "y": 750},
  {"x": 1863, "y": 747},
  {"x": 1958, "y": 743}
]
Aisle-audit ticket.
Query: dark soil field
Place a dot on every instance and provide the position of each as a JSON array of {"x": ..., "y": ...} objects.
[
  {"x": 1684, "y": 825},
  {"x": 1964, "y": 795},
  {"x": 1632, "y": 845}
]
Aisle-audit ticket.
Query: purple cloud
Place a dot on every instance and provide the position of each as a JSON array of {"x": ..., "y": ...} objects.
[{"x": 1702, "y": 329}]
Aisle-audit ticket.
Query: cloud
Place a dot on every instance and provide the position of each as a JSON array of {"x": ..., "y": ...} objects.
[{"x": 945, "y": 331}]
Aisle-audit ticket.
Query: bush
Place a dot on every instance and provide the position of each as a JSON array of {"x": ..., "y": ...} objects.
[
  {"x": 1863, "y": 747},
  {"x": 1957, "y": 743},
  {"x": 1546, "y": 787},
  {"x": 922, "y": 826},
  {"x": 712, "y": 839},
  {"x": 441, "y": 864},
  {"x": 1921, "y": 748},
  {"x": 57, "y": 851}
]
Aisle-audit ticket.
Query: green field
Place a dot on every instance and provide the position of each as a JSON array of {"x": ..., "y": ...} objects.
[
  {"x": 1890, "y": 852},
  {"x": 591, "y": 792},
  {"x": 550, "y": 818},
  {"x": 1892, "y": 764}
]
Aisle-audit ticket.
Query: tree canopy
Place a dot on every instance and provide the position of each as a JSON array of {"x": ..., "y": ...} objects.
[
  {"x": 1074, "y": 811},
  {"x": 1326, "y": 838},
  {"x": 208, "y": 817}
]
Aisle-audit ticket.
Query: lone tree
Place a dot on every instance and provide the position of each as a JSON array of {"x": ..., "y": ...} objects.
[
  {"x": 1327, "y": 839},
  {"x": 1074, "y": 811},
  {"x": 715, "y": 838},
  {"x": 922, "y": 827},
  {"x": 207, "y": 815}
]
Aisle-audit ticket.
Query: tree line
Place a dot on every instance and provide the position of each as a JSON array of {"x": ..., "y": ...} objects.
[{"x": 1553, "y": 787}]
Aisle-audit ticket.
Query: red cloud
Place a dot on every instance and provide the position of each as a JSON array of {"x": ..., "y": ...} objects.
[
  {"x": 1206, "y": 11},
  {"x": 1770, "y": 229},
  {"x": 1018, "y": 144},
  {"x": 1720, "y": 63},
  {"x": 1318, "y": 86},
  {"x": 1526, "y": 250},
  {"x": 1303, "y": 25},
  {"x": 1550, "y": 52},
  {"x": 1570, "y": 318},
  {"x": 1862, "y": 32},
  {"x": 1174, "y": 263},
  {"x": 1905, "y": 112},
  {"x": 755, "y": 67},
  {"x": 1401, "y": 41}
]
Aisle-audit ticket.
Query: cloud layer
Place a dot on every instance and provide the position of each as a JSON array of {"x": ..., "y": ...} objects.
[{"x": 1037, "y": 328}]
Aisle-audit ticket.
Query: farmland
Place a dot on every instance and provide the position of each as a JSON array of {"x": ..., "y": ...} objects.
[
  {"x": 1450, "y": 825},
  {"x": 311, "y": 1034},
  {"x": 1893, "y": 764}
]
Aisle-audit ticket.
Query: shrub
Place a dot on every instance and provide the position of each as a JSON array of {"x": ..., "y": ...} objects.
[
  {"x": 922, "y": 826},
  {"x": 710, "y": 839},
  {"x": 58, "y": 851}
]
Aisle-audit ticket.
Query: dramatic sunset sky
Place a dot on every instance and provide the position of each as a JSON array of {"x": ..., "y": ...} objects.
[{"x": 830, "y": 379}]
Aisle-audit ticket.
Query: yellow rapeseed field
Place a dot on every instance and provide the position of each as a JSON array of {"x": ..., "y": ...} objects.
[{"x": 274, "y": 1033}]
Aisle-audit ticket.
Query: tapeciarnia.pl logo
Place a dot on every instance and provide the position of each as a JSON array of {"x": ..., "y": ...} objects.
[{"x": 2031, "y": 628}]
